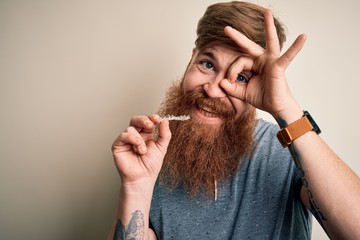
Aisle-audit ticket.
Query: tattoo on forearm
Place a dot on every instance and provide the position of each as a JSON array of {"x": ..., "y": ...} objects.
[
  {"x": 315, "y": 210},
  {"x": 135, "y": 229}
]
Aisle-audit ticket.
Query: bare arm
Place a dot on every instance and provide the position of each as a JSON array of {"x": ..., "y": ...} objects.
[
  {"x": 331, "y": 189},
  {"x": 138, "y": 158},
  {"x": 133, "y": 210}
]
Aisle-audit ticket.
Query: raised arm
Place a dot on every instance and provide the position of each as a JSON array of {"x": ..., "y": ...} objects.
[
  {"x": 331, "y": 189},
  {"x": 138, "y": 158}
]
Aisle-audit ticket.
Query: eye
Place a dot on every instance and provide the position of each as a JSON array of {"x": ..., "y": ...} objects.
[
  {"x": 242, "y": 78},
  {"x": 207, "y": 65}
]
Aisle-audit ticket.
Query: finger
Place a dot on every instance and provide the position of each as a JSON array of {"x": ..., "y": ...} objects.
[
  {"x": 242, "y": 66},
  {"x": 234, "y": 89},
  {"x": 272, "y": 40},
  {"x": 164, "y": 135},
  {"x": 244, "y": 43},
  {"x": 293, "y": 50},
  {"x": 142, "y": 123},
  {"x": 154, "y": 118},
  {"x": 136, "y": 140},
  {"x": 128, "y": 140}
]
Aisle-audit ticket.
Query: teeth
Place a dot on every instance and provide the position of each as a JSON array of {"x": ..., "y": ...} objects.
[
  {"x": 206, "y": 113},
  {"x": 204, "y": 110}
]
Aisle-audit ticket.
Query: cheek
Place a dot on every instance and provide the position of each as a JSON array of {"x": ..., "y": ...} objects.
[{"x": 192, "y": 80}]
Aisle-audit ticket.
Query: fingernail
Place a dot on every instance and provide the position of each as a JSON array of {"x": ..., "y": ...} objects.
[
  {"x": 230, "y": 27},
  {"x": 156, "y": 117}
]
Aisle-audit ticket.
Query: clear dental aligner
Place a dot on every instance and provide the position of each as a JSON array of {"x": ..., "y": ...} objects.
[{"x": 172, "y": 117}]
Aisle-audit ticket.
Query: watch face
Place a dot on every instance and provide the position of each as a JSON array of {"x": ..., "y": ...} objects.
[{"x": 313, "y": 123}]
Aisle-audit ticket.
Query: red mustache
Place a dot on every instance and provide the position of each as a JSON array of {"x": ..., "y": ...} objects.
[{"x": 200, "y": 99}]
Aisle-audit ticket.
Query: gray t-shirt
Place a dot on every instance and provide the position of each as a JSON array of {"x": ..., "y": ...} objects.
[{"x": 261, "y": 201}]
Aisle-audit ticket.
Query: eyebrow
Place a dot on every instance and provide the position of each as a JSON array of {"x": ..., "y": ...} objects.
[{"x": 209, "y": 54}]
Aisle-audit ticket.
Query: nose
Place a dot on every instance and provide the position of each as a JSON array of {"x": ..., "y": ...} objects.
[{"x": 213, "y": 88}]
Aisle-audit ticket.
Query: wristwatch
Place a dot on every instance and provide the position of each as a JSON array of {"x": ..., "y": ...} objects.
[{"x": 296, "y": 129}]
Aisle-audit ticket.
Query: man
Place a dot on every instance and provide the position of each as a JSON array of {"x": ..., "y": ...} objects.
[{"x": 224, "y": 174}]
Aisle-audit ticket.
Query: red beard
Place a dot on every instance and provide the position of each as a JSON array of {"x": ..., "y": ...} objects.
[{"x": 199, "y": 153}]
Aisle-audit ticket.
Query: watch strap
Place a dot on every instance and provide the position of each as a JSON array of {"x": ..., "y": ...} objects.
[{"x": 296, "y": 129}]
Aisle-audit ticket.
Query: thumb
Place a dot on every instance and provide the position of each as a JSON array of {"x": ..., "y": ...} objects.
[
  {"x": 234, "y": 89},
  {"x": 164, "y": 135}
]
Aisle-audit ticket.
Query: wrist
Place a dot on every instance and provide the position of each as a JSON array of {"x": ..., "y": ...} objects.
[
  {"x": 141, "y": 188},
  {"x": 288, "y": 115},
  {"x": 296, "y": 129}
]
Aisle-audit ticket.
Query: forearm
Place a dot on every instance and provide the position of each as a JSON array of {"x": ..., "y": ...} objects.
[
  {"x": 132, "y": 218},
  {"x": 333, "y": 189},
  {"x": 138, "y": 157}
]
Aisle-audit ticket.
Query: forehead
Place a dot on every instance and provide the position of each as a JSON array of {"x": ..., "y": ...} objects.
[{"x": 220, "y": 54}]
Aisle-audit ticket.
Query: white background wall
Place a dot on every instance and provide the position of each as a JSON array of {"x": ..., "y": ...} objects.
[{"x": 72, "y": 73}]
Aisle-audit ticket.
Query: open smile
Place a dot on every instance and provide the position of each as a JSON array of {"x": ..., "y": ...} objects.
[{"x": 206, "y": 114}]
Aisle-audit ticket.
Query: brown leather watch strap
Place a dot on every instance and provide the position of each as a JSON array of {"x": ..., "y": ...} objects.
[{"x": 296, "y": 129}]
